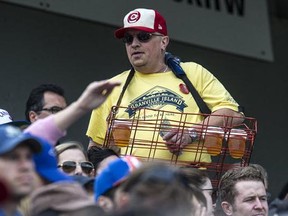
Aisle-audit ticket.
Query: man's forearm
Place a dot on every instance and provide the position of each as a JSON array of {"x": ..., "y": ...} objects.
[{"x": 224, "y": 117}]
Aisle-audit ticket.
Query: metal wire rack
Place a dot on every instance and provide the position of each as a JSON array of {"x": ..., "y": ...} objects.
[{"x": 216, "y": 148}]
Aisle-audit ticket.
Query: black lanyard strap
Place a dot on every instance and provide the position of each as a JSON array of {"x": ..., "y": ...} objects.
[
  {"x": 174, "y": 63},
  {"x": 129, "y": 78}
]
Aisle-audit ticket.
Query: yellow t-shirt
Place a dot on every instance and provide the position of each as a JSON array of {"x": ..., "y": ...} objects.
[{"x": 160, "y": 92}]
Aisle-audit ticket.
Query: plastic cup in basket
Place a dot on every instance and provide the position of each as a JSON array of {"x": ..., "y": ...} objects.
[
  {"x": 213, "y": 137},
  {"x": 121, "y": 132},
  {"x": 236, "y": 142}
]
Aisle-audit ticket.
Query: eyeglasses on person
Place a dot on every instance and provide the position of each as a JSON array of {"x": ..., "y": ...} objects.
[
  {"x": 143, "y": 37},
  {"x": 53, "y": 110},
  {"x": 70, "y": 166}
]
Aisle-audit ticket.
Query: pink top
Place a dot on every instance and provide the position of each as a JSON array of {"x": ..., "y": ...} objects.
[{"x": 47, "y": 129}]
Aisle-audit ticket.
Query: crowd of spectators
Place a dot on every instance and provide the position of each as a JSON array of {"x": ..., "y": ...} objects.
[{"x": 40, "y": 175}]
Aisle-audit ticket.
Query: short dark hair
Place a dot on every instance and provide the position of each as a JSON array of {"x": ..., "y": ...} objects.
[
  {"x": 228, "y": 181},
  {"x": 195, "y": 176},
  {"x": 35, "y": 99},
  {"x": 96, "y": 154},
  {"x": 164, "y": 186}
]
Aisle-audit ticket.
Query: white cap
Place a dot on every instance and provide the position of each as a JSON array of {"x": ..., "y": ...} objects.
[{"x": 4, "y": 117}]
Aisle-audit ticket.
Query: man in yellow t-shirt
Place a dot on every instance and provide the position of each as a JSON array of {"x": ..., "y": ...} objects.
[{"x": 156, "y": 88}]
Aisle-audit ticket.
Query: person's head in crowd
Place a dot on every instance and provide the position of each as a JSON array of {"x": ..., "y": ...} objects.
[
  {"x": 63, "y": 199},
  {"x": 45, "y": 173},
  {"x": 16, "y": 165},
  {"x": 144, "y": 25},
  {"x": 242, "y": 192},
  {"x": 72, "y": 159},
  {"x": 101, "y": 157},
  {"x": 46, "y": 165},
  {"x": 53, "y": 186},
  {"x": 108, "y": 181},
  {"x": 44, "y": 100},
  {"x": 6, "y": 118},
  {"x": 200, "y": 179},
  {"x": 157, "y": 185}
]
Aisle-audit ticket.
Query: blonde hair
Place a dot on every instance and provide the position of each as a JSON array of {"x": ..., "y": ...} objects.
[{"x": 69, "y": 145}]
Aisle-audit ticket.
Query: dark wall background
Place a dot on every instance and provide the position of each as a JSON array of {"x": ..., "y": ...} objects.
[{"x": 38, "y": 47}]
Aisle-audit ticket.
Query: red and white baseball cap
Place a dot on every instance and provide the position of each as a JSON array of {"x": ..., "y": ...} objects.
[
  {"x": 142, "y": 19},
  {"x": 114, "y": 174}
]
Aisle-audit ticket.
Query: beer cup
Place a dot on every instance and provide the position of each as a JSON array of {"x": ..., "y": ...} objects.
[
  {"x": 236, "y": 143},
  {"x": 213, "y": 137},
  {"x": 121, "y": 132}
]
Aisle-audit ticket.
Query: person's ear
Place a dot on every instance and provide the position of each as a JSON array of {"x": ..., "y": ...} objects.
[
  {"x": 105, "y": 203},
  {"x": 93, "y": 173},
  {"x": 122, "y": 200},
  {"x": 33, "y": 116},
  {"x": 227, "y": 208},
  {"x": 164, "y": 42}
]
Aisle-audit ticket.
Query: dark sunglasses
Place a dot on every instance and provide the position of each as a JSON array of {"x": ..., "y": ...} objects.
[
  {"x": 53, "y": 110},
  {"x": 143, "y": 37},
  {"x": 70, "y": 166}
]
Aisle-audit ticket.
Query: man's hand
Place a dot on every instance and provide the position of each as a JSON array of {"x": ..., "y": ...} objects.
[
  {"x": 95, "y": 94},
  {"x": 92, "y": 97},
  {"x": 177, "y": 139}
]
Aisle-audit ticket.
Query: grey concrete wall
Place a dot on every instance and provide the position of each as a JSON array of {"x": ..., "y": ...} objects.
[{"x": 38, "y": 47}]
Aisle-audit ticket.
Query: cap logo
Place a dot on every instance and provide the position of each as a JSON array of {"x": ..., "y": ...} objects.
[
  {"x": 160, "y": 27},
  {"x": 5, "y": 113},
  {"x": 51, "y": 152},
  {"x": 133, "y": 17},
  {"x": 12, "y": 132}
]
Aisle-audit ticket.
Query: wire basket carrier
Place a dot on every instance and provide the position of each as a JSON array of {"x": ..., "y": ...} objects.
[{"x": 215, "y": 148}]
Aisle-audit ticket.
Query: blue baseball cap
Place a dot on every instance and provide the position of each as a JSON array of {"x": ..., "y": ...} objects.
[
  {"x": 11, "y": 137},
  {"x": 114, "y": 174},
  {"x": 46, "y": 164}
]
